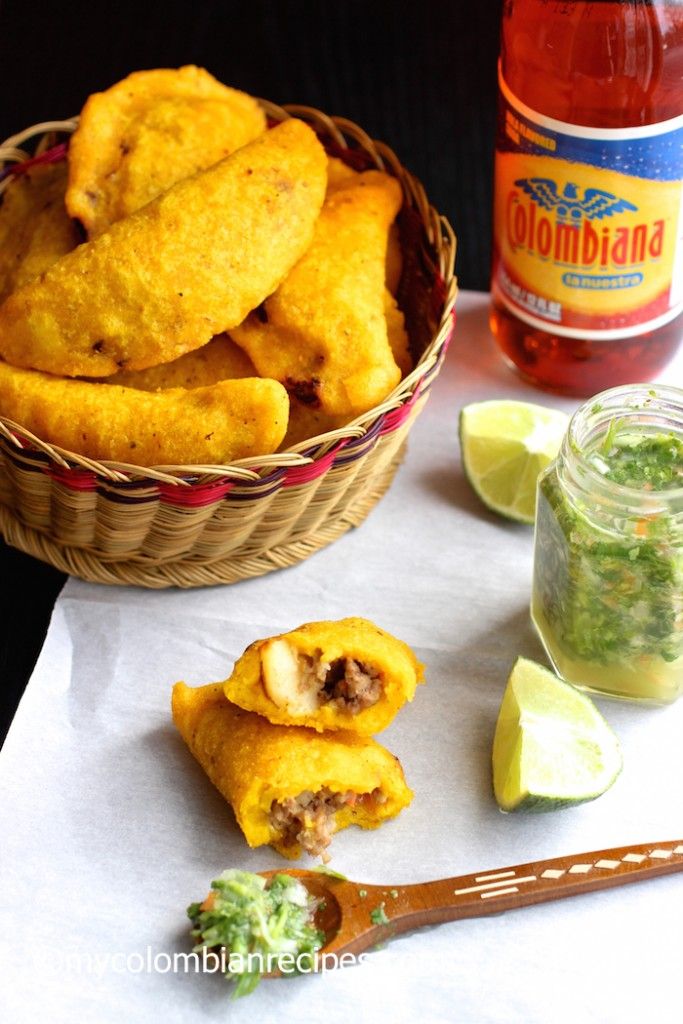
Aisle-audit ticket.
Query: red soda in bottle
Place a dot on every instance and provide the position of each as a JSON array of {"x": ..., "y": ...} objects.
[{"x": 587, "y": 283}]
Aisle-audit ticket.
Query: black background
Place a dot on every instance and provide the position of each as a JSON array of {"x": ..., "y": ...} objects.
[{"x": 419, "y": 75}]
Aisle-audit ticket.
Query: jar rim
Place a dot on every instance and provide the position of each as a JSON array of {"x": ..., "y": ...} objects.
[{"x": 620, "y": 402}]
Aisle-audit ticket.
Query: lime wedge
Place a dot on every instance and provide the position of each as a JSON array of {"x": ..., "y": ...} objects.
[
  {"x": 552, "y": 747},
  {"x": 504, "y": 446}
]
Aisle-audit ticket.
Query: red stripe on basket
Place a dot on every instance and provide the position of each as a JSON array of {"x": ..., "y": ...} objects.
[
  {"x": 311, "y": 471},
  {"x": 50, "y": 156},
  {"x": 394, "y": 418},
  {"x": 195, "y": 496},
  {"x": 75, "y": 479},
  {"x": 438, "y": 295}
]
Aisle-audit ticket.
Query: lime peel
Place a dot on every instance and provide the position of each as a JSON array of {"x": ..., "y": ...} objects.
[
  {"x": 505, "y": 445},
  {"x": 552, "y": 747}
]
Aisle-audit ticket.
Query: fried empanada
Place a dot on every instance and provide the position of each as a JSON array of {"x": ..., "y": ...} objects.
[
  {"x": 189, "y": 265},
  {"x": 307, "y": 421},
  {"x": 221, "y": 359},
  {"x": 394, "y": 261},
  {"x": 341, "y": 176},
  {"x": 348, "y": 675},
  {"x": 397, "y": 334},
  {"x": 288, "y": 786},
  {"x": 35, "y": 229},
  {"x": 323, "y": 333},
  {"x": 208, "y": 426},
  {"x": 154, "y": 128}
]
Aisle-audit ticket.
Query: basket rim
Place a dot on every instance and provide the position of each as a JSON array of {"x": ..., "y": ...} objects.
[{"x": 347, "y": 137}]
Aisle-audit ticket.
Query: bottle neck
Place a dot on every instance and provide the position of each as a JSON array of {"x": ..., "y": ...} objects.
[{"x": 601, "y": 64}]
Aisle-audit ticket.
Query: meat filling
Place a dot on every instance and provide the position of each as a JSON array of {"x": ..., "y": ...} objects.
[
  {"x": 345, "y": 682},
  {"x": 309, "y": 819}
]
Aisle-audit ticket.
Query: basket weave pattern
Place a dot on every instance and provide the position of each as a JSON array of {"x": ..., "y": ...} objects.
[{"x": 199, "y": 525}]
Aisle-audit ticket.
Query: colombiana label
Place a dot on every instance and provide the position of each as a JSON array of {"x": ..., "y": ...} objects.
[{"x": 588, "y": 223}]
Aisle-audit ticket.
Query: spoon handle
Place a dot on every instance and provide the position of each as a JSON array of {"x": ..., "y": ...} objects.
[{"x": 491, "y": 892}]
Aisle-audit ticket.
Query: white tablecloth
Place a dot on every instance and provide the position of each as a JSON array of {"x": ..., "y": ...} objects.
[{"x": 109, "y": 829}]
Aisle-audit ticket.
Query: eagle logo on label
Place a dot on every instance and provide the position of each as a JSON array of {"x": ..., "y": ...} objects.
[{"x": 595, "y": 204}]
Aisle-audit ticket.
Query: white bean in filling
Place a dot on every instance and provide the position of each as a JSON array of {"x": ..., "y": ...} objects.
[{"x": 302, "y": 683}]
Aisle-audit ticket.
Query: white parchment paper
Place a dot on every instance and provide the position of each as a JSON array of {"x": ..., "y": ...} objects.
[{"x": 109, "y": 828}]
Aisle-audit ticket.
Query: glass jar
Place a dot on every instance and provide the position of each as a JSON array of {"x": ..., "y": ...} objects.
[{"x": 607, "y": 596}]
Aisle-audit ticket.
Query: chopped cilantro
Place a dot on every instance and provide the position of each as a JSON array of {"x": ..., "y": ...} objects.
[
  {"x": 608, "y": 440},
  {"x": 651, "y": 462},
  {"x": 255, "y": 922},
  {"x": 378, "y": 915}
]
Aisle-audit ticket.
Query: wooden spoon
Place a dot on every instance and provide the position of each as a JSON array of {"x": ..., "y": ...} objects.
[{"x": 355, "y": 916}]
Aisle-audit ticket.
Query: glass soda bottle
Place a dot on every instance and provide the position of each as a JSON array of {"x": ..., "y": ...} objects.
[{"x": 587, "y": 282}]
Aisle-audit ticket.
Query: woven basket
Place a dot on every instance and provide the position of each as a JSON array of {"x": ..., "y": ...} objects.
[{"x": 190, "y": 526}]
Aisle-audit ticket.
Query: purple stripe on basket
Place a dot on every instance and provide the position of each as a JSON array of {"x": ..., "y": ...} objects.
[
  {"x": 360, "y": 445},
  {"x": 273, "y": 477},
  {"x": 273, "y": 483},
  {"x": 372, "y": 431},
  {"x": 394, "y": 418},
  {"x": 127, "y": 499}
]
